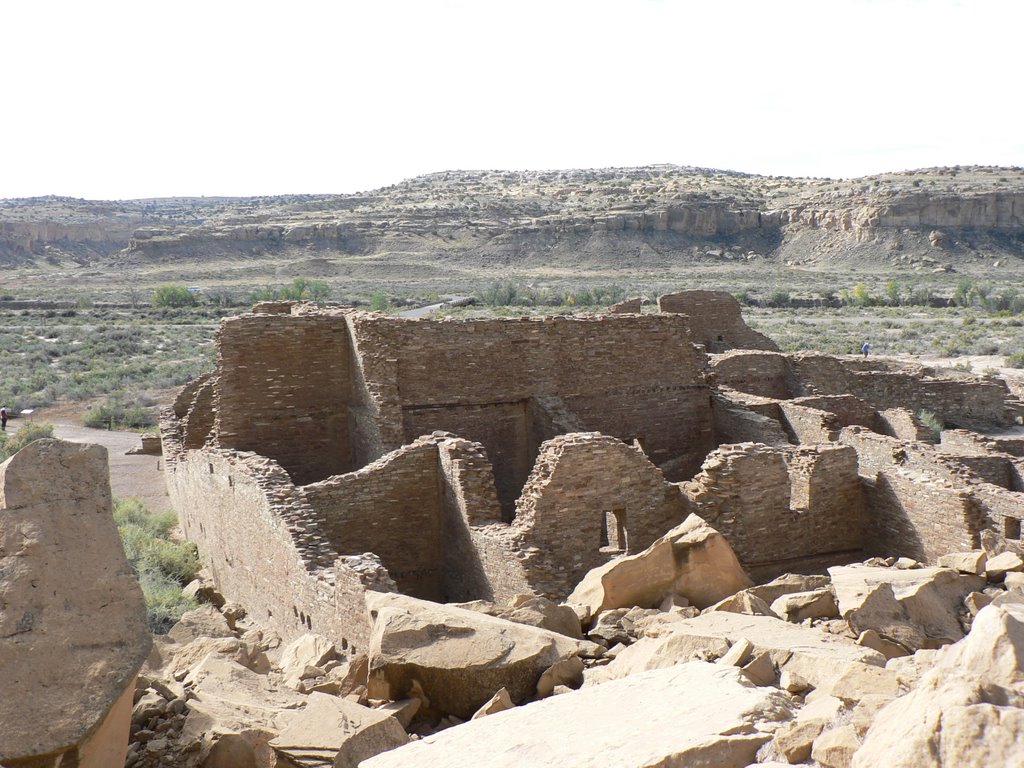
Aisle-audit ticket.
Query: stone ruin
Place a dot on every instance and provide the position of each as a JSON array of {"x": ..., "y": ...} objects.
[
  {"x": 73, "y": 632},
  {"x": 332, "y": 453}
]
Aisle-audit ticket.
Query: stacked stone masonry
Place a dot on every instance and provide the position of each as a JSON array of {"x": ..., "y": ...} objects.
[{"x": 336, "y": 452}]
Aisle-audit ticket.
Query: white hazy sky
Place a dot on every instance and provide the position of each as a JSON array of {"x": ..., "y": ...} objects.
[{"x": 148, "y": 98}]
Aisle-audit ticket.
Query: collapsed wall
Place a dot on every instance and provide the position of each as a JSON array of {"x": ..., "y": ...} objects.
[
  {"x": 782, "y": 508},
  {"x": 969, "y": 402},
  {"x": 715, "y": 320},
  {"x": 923, "y": 502}
]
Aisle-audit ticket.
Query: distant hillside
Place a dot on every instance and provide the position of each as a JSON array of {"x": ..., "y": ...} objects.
[{"x": 659, "y": 215}]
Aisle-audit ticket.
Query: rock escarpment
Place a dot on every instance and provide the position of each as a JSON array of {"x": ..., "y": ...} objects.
[{"x": 493, "y": 217}]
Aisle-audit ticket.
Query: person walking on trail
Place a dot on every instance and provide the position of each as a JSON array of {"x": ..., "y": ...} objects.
[
  {"x": 865, "y": 348},
  {"x": 4, "y": 415}
]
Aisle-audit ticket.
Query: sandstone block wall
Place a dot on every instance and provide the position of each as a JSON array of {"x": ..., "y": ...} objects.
[
  {"x": 808, "y": 426},
  {"x": 284, "y": 386},
  {"x": 629, "y": 377},
  {"x": 901, "y": 423},
  {"x": 767, "y": 374},
  {"x": 736, "y": 423},
  {"x": 715, "y": 320},
  {"x": 575, "y": 521},
  {"x": 923, "y": 502},
  {"x": 261, "y": 541},
  {"x": 781, "y": 507},
  {"x": 920, "y": 516},
  {"x": 969, "y": 402},
  {"x": 393, "y": 508}
]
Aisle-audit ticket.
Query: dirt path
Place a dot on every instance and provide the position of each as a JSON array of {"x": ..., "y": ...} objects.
[{"x": 140, "y": 476}]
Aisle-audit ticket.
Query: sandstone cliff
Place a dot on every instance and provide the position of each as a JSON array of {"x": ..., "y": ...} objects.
[{"x": 610, "y": 216}]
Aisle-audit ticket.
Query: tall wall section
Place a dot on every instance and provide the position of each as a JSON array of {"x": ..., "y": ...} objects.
[
  {"x": 590, "y": 497},
  {"x": 626, "y": 376},
  {"x": 261, "y": 542},
  {"x": 285, "y": 384}
]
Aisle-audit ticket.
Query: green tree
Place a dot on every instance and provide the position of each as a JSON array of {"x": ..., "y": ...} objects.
[
  {"x": 892, "y": 292},
  {"x": 173, "y": 296},
  {"x": 860, "y": 295}
]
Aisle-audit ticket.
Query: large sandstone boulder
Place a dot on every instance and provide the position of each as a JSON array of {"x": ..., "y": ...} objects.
[
  {"x": 457, "y": 658},
  {"x": 967, "y": 710},
  {"x": 73, "y": 631},
  {"x": 693, "y": 560},
  {"x": 813, "y": 655},
  {"x": 694, "y": 714},
  {"x": 946, "y": 721},
  {"x": 921, "y": 611},
  {"x": 241, "y": 719}
]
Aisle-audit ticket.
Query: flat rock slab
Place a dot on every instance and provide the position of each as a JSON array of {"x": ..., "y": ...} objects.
[
  {"x": 694, "y": 714},
  {"x": 816, "y": 656}
]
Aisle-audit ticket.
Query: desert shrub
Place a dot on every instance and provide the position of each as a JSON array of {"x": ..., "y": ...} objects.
[
  {"x": 118, "y": 414},
  {"x": 932, "y": 422},
  {"x": 379, "y": 301},
  {"x": 162, "y": 565},
  {"x": 165, "y": 602},
  {"x": 173, "y": 296},
  {"x": 29, "y": 432},
  {"x": 1015, "y": 360},
  {"x": 779, "y": 298},
  {"x": 502, "y": 293}
]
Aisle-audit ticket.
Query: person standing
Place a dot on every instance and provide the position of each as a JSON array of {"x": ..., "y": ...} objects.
[
  {"x": 4, "y": 415},
  {"x": 865, "y": 348}
]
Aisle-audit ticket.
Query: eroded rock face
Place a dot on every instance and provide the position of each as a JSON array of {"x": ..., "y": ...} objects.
[
  {"x": 690, "y": 714},
  {"x": 73, "y": 631},
  {"x": 692, "y": 560},
  {"x": 456, "y": 657}
]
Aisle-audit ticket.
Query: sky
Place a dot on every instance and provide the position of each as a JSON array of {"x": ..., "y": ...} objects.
[{"x": 150, "y": 98}]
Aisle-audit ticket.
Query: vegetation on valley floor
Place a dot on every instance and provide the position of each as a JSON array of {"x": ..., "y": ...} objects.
[{"x": 162, "y": 563}]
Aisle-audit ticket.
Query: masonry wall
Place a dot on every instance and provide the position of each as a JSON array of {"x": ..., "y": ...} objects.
[
  {"x": 767, "y": 374},
  {"x": 808, "y": 426},
  {"x": 901, "y": 423},
  {"x": 735, "y": 423},
  {"x": 284, "y": 387},
  {"x": 261, "y": 543},
  {"x": 715, "y": 320},
  {"x": 781, "y": 508},
  {"x": 590, "y": 497},
  {"x": 393, "y": 508},
  {"x": 915, "y": 515},
  {"x": 966, "y": 402},
  {"x": 628, "y": 376}
]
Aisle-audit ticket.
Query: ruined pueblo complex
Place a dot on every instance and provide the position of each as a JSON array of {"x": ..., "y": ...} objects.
[{"x": 334, "y": 454}]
